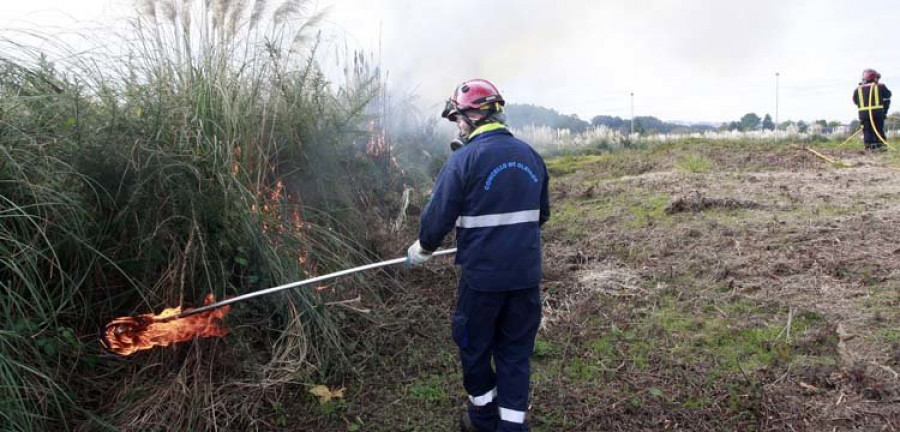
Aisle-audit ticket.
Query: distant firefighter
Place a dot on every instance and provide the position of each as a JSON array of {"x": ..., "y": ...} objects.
[{"x": 873, "y": 100}]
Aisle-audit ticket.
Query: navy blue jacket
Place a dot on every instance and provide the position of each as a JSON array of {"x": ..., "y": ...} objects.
[
  {"x": 494, "y": 191},
  {"x": 875, "y": 98}
]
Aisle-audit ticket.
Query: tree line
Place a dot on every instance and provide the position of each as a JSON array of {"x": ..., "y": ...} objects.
[{"x": 521, "y": 115}]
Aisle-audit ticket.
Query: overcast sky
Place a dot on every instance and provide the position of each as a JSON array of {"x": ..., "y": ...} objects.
[{"x": 689, "y": 60}]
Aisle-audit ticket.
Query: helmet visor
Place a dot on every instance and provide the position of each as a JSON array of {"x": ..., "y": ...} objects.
[{"x": 450, "y": 111}]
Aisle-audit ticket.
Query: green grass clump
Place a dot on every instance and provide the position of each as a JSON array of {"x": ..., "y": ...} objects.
[
  {"x": 889, "y": 336},
  {"x": 647, "y": 211},
  {"x": 565, "y": 165},
  {"x": 544, "y": 348},
  {"x": 671, "y": 334},
  {"x": 429, "y": 389},
  {"x": 714, "y": 338},
  {"x": 606, "y": 166},
  {"x": 693, "y": 163}
]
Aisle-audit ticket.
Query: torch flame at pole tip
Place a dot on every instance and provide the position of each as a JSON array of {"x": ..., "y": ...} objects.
[{"x": 127, "y": 335}]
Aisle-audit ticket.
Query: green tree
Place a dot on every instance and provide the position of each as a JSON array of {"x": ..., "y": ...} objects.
[
  {"x": 521, "y": 115},
  {"x": 639, "y": 125},
  {"x": 608, "y": 121},
  {"x": 749, "y": 121},
  {"x": 767, "y": 123},
  {"x": 730, "y": 126}
]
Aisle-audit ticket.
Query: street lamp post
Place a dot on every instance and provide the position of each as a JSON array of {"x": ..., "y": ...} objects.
[
  {"x": 776, "y": 99},
  {"x": 632, "y": 113}
]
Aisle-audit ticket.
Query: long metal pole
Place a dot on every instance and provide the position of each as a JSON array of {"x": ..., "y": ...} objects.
[
  {"x": 263, "y": 292},
  {"x": 632, "y": 113},
  {"x": 776, "y": 99}
]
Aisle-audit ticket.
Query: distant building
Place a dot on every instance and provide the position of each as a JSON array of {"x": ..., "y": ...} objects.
[{"x": 842, "y": 129}]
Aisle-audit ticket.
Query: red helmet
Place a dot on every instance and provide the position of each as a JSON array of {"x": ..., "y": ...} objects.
[
  {"x": 472, "y": 94},
  {"x": 869, "y": 75}
]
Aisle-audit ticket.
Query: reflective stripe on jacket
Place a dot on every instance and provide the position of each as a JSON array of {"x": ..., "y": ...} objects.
[
  {"x": 872, "y": 97},
  {"x": 494, "y": 192}
]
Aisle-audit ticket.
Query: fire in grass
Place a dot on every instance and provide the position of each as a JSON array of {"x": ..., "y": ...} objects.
[{"x": 128, "y": 335}]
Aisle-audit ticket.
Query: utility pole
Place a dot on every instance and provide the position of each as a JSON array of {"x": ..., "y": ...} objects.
[
  {"x": 632, "y": 113},
  {"x": 776, "y": 99}
]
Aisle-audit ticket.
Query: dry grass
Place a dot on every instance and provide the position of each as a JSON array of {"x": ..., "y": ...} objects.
[{"x": 766, "y": 302}]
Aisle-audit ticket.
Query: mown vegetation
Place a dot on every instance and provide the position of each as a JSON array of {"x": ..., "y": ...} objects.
[{"x": 691, "y": 285}]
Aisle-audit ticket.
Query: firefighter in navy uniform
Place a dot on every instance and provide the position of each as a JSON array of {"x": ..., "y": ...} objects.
[
  {"x": 873, "y": 100},
  {"x": 493, "y": 190}
]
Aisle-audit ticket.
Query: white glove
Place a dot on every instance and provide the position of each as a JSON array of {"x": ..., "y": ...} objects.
[{"x": 416, "y": 255}]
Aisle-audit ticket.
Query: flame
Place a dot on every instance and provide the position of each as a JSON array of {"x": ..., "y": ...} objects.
[
  {"x": 376, "y": 143},
  {"x": 127, "y": 335}
]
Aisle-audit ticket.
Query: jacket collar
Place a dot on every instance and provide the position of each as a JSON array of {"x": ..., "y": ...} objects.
[{"x": 489, "y": 127}]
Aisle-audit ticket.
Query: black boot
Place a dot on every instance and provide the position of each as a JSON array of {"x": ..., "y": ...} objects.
[
  {"x": 505, "y": 426},
  {"x": 465, "y": 423},
  {"x": 479, "y": 419}
]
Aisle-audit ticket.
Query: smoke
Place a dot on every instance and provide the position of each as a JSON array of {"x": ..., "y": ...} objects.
[
  {"x": 587, "y": 56},
  {"x": 715, "y": 37}
]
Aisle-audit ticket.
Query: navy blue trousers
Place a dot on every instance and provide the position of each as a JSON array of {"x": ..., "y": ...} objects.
[
  {"x": 499, "y": 326},
  {"x": 870, "y": 138}
]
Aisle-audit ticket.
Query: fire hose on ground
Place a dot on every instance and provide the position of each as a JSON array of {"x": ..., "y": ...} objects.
[
  {"x": 828, "y": 159},
  {"x": 873, "y": 96}
]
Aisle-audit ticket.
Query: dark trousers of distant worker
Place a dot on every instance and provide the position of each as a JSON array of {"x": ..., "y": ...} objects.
[
  {"x": 870, "y": 138},
  {"x": 502, "y": 326}
]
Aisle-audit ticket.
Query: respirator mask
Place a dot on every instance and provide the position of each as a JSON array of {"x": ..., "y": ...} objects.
[
  {"x": 451, "y": 112},
  {"x": 458, "y": 142}
]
